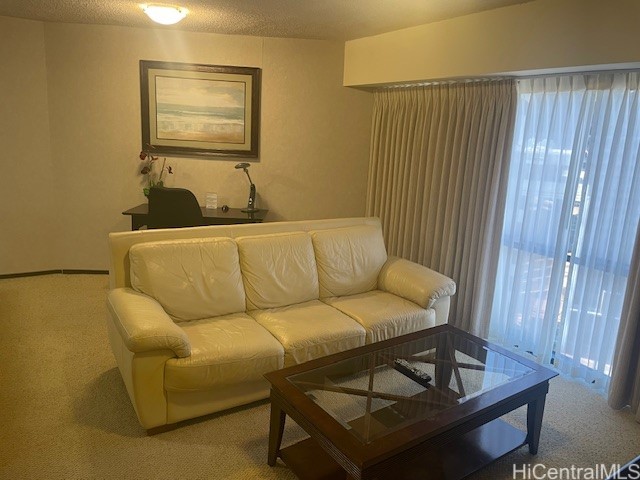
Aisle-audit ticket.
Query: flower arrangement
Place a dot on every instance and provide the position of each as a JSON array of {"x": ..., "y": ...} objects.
[{"x": 153, "y": 179}]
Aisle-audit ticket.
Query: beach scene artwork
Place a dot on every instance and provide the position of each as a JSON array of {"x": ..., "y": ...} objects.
[{"x": 200, "y": 110}]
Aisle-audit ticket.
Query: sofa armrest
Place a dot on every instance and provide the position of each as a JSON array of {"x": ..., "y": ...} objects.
[
  {"x": 144, "y": 325},
  {"x": 414, "y": 282}
]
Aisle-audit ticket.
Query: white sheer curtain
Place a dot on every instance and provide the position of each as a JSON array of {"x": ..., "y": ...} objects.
[{"x": 573, "y": 205}]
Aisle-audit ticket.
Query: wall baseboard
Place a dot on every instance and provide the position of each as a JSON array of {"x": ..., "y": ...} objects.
[
  {"x": 53, "y": 272},
  {"x": 85, "y": 272}
]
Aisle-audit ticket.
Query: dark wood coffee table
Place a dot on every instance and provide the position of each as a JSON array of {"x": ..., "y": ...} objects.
[{"x": 371, "y": 412}]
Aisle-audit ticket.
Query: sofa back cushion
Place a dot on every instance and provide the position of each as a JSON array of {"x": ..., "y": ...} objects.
[
  {"x": 191, "y": 279},
  {"x": 349, "y": 259},
  {"x": 278, "y": 269}
]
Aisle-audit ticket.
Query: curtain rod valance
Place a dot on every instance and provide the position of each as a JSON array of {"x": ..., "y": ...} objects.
[
  {"x": 591, "y": 75},
  {"x": 440, "y": 82}
]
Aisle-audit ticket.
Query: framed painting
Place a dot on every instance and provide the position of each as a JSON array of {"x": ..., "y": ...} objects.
[{"x": 200, "y": 110}]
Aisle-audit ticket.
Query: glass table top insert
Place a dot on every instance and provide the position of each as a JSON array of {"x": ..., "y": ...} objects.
[{"x": 382, "y": 391}]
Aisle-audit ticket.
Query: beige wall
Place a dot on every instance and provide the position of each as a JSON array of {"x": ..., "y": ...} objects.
[
  {"x": 28, "y": 204},
  {"x": 540, "y": 35},
  {"x": 314, "y": 133}
]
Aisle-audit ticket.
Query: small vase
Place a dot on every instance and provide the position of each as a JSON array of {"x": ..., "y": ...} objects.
[{"x": 145, "y": 190}]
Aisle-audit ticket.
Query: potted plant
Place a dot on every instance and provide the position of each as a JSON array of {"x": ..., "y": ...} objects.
[{"x": 152, "y": 178}]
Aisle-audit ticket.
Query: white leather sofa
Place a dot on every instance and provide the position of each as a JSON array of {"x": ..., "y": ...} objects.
[{"x": 198, "y": 315}]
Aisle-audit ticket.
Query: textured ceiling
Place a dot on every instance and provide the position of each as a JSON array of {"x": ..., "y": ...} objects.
[{"x": 320, "y": 19}]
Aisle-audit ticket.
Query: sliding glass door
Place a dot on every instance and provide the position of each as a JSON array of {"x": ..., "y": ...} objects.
[{"x": 573, "y": 206}]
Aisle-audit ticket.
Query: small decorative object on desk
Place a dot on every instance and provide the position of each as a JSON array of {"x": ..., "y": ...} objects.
[
  {"x": 415, "y": 374},
  {"x": 211, "y": 200},
  {"x": 152, "y": 178}
]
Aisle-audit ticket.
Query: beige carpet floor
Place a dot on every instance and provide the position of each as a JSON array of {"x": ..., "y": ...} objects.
[{"x": 65, "y": 414}]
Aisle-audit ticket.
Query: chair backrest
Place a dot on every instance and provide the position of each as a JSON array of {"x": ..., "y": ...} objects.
[{"x": 173, "y": 208}]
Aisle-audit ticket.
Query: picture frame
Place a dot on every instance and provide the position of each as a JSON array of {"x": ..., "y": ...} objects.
[{"x": 200, "y": 110}]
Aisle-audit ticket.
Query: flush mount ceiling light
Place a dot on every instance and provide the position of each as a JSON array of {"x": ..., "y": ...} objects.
[{"x": 165, "y": 14}]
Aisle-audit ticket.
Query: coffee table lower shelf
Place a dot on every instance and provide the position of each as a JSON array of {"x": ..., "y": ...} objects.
[{"x": 478, "y": 448}]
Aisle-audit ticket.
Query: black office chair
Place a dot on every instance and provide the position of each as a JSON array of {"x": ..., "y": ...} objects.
[{"x": 173, "y": 208}]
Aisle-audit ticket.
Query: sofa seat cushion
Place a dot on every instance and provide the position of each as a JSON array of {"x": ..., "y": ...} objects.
[
  {"x": 225, "y": 350},
  {"x": 191, "y": 279},
  {"x": 383, "y": 314},
  {"x": 310, "y": 330},
  {"x": 278, "y": 269}
]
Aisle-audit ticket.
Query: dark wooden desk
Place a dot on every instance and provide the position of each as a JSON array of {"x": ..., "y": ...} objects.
[{"x": 212, "y": 216}]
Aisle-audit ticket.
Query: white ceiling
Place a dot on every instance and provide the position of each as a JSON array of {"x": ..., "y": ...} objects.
[{"x": 319, "y": 19}]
